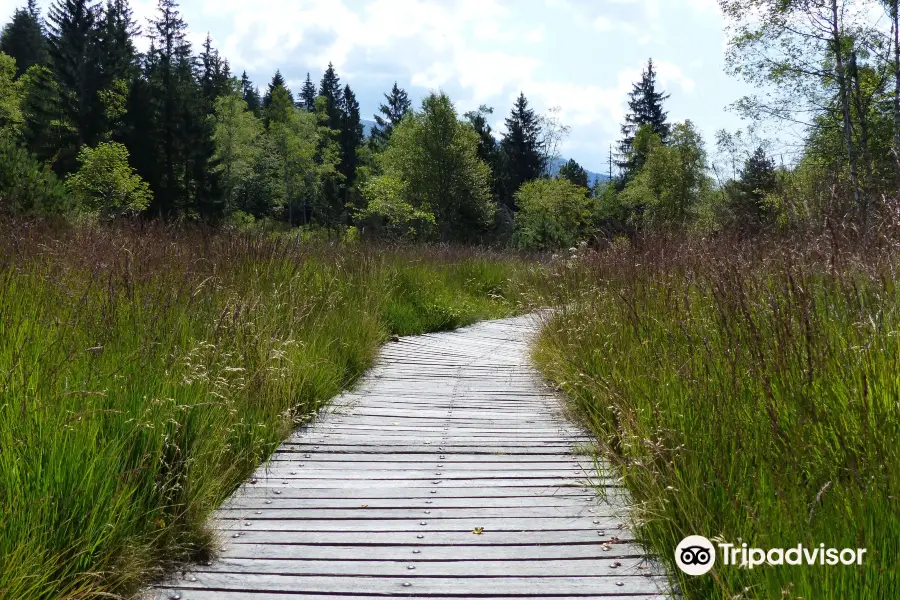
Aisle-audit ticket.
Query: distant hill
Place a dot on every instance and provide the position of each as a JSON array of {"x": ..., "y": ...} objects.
[{"x": 592, "y": 177}]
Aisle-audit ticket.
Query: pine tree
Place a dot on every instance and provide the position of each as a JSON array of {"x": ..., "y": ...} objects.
[
  {"x": 307, "y": 99},
  {"x": 115, "y": 50},
  {"x": 646, "y": 106},
  {"x": 211, "y": 77},
  {"x": 23, "y": 38},
  {"x": 330, "y": 89},
  {"x": 397, "y": 107},
  {"x": 488, "y": 148},
  {"x": 73, "y": 61},
  {"x": 277, "y": 82},
  {"x": 522, "y": 158},
  {"x": 574, "y": 173},
  {"x": 758, "y": 179},
  {"x": 173, "y": 89},
  {"x": 350, "y": 139},
  {"x": 117, "y": 63},
  {"x": 250, "y": 94}
]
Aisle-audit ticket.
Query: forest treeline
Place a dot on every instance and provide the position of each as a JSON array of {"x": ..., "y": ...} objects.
[{"x": 91, "y": 127}]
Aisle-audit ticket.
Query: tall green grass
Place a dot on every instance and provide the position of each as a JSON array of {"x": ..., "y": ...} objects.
[
  {"x": 745, "y": 391},
  {"x": 145, "y": 372}
]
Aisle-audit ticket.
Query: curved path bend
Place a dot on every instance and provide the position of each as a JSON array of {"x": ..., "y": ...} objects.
[{"x": 448, "y": 473}]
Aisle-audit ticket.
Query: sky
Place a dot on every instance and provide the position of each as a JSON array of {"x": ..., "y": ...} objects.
[{"x": 579, "y": 55}]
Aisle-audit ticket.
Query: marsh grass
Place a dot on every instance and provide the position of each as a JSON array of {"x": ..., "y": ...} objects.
[
  {"x": 144, "y": 372},
  {"x": 748, "y": 391}
]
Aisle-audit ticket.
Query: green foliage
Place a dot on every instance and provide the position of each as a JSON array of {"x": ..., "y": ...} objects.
[
  {"x": 151, "y": 372},
  {"x": 390, "y": 214},
  {"x": 235, "y": 135},
  {"x": 250, "y": 94},
  {"x": 26, "y": 185},
  {"x": 750, "y": 195},
  {"x": 397, "y": 107},
  {"x": 553, "y": 214},
  {"x": 45, "y": 132},
  {"x": 350, "y": 140},
  {"x": 646, "y": 106},
  {"x": 307, "y": 99},
  {"x": 309, "y": 154},
  {"x": 522, "y": 149},
  {"x": 115, "y": 104},
  {"x": 105, "y": 184},
  {"x": 277, "y": 83},
  {"x": 574, "y": 173},
  {"x": 10, "y": 96},
  {"x": 667, "y": 190},
  {"x": 262, "y": 192},
  {"x": 23, "y": 40},
  {"x": 432, "y": 160}
]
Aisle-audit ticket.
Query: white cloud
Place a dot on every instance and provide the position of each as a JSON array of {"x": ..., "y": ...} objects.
[
  {"x": 581, "y": 55},
  {"x": 670, "y": 73}
]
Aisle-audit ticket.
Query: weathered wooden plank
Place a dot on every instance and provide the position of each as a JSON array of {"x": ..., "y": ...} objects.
[
  {"x": 320, "y": 462},
  {"x": 592, "y": 567},
  {"x": 450, "y": 505},
  {"x": 195, "y": 594},
  {"x": 545, "y": 482},
  {"x": 429, "y": 538},
  {"x": 418, "y": 524},
  {"x": 368, "y": 492},
  {"x": 450, "y": 457},
  {"x": 444, "y": 473},
  {"x": 420, "y": 512},
  {"x": 427, "y": 449},
  {"x": 428, "y": 552},
  {"x": 460, "y": 586},
  {"x": 481, "y": 459}
]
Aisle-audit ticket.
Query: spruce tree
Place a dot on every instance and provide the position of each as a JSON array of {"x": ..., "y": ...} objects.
[
  {"x": 574, "y": 173},
  {"x": 488, "y": 148},
  {"x": 522, "y": 152},
  {"x": 646, "y": 108},
  {"x": 250, "y": 94},
  {"x": 172, "y": 80},
  {"x": 116, "y": 31},
  {"x": 73, "y": 60},
  {"x": 307, "y": 99},
  {"x": 117, "y": 64},
  {"x": 397, "y": 107},
  {"x": 350, "y": 139},
  {"x": 23, "y": 38},
  {"x": 334, "y": 194},
  {"x": 330, "y": 89},
  {"x": 758, "y": 179},
  {"x": 211, "y": 66},
  {"x": 277, "y": 82}
]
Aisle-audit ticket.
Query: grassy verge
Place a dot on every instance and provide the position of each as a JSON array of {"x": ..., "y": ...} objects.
[
  {"x": 143, "y": 374},
  {"x": 745, "y": 392}
]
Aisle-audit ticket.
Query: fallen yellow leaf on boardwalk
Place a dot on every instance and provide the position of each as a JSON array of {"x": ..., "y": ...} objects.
[{"x": 478, "y": 530}]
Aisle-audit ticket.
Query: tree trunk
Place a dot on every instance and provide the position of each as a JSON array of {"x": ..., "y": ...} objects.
[
  {"x": 896, "y": 24},
  {"x": 844, "y": 96},
  {"x": 862, "y": 109}
]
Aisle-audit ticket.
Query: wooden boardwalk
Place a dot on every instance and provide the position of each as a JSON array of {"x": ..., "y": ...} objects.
[{"x": 448, "y": 473}]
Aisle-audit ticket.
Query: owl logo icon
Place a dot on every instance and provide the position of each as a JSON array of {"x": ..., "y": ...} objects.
[{"x": 695, "y": 555}]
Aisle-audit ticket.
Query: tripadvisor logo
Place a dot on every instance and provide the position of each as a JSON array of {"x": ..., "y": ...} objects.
[{"x": 696, "y": 555}]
